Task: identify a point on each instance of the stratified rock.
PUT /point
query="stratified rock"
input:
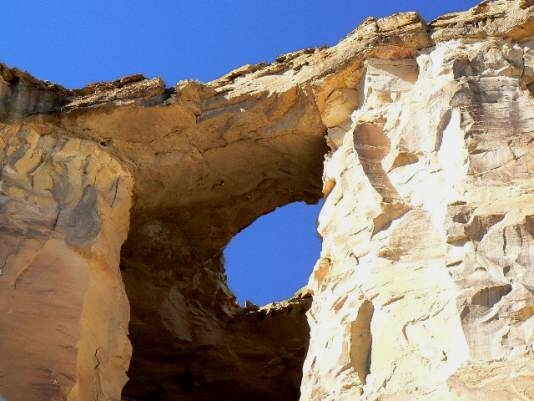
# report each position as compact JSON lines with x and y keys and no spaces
{"x":423,"y":291}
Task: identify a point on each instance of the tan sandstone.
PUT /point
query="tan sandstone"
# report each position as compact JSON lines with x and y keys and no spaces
{"x":424,"y":288}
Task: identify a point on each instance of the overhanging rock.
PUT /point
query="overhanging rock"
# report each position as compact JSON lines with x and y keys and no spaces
{"x":424,"y":288}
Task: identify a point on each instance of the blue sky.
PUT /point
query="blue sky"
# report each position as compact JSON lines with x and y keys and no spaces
{"x":77,"y":42}
{"x":81,"y":41}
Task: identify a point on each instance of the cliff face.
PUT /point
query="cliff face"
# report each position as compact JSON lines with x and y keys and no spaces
{"x":64,"y":211}
{"x":424,"y":288}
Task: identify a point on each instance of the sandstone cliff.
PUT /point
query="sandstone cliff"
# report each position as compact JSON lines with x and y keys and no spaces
{"x":116,"y":201}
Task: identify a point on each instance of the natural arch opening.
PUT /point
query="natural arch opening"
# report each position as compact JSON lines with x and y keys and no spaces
{"x":272,"y":258}
{"x":202,"y":345}
{"x":191,"y":340}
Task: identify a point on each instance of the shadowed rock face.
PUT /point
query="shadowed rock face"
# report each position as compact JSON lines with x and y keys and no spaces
{"x":423,"y":287}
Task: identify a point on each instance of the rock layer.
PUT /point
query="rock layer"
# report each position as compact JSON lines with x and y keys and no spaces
{"x":424,"y":285}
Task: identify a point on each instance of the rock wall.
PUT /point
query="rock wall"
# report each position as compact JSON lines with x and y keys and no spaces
{"x":424,"y":288}
{"x":64,"y":212}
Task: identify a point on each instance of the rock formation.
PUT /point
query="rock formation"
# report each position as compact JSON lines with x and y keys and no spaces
{"x":125,"y":194}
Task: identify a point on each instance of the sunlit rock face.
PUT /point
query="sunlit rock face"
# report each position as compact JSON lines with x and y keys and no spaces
{"x":64,"y":213}
{"x":424,"y":288}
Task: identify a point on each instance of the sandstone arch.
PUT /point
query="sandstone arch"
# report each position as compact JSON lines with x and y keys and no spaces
{"x":201,"y":161}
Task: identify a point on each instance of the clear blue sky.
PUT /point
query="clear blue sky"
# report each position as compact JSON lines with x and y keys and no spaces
{"x":81,"y":41}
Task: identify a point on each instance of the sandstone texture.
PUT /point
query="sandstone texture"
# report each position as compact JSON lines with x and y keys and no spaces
{"x":64,"y":213}
{"x":117,"y":200}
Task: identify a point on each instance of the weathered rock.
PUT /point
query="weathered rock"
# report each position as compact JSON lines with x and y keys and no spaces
{"x":427,"y":254}
{"x":64,"y":212}
{"x":423,"y":290}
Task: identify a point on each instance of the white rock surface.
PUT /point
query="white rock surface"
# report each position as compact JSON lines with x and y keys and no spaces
{"x":425,"y":287}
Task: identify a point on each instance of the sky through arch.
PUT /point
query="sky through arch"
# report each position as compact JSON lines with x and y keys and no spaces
{"x":273,"y":257}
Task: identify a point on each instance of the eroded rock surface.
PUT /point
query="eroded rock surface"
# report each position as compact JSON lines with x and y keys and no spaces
{"x":64,"y":213}
{"x":424,"y":286}
{"x":424,"y":290}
